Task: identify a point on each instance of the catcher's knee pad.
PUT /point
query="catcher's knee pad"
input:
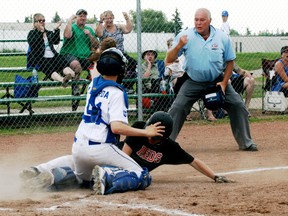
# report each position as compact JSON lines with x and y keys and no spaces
{"x":64,"y":177}
{"x":121,"y":181}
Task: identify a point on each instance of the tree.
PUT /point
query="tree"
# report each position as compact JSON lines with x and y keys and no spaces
{"x":177,"y":22}
{"x":233,"y":32}
{"x":56,"y":18}
{"x":152,"y":21}
{"x":92,"y":20}
{"x":28,"y":19}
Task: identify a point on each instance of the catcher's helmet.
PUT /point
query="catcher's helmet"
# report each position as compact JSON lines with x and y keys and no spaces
{"x":165,"y":119}
{"x":111,"y":62}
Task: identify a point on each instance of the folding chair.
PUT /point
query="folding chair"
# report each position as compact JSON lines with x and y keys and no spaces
{"x":267,"y":79}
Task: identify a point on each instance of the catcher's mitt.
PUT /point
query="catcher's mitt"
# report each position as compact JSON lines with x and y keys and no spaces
{"x":223,"y":179}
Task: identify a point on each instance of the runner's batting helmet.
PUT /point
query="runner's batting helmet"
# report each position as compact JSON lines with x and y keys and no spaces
{"x":111,"y":62}
{"x":165,"y":119}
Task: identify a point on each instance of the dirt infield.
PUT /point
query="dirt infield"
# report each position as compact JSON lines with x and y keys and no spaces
{"x":261,"y":187}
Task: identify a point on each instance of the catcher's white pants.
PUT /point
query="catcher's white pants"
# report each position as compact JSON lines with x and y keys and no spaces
{"x":63,"y":161}
{"x":86,"y":156}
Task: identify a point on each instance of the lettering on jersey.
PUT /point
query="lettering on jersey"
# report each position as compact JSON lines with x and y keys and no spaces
{"x":149,"y":155}
{"x":125,"y":113}
{"x":104,"y":94}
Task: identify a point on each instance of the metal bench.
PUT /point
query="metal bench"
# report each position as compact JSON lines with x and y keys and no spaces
{"x":26,"y":103}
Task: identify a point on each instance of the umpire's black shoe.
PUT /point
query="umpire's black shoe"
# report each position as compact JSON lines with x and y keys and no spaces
{"x":252,"y":147}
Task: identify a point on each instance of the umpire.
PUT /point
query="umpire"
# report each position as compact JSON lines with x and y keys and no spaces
{"x":208,"y":52}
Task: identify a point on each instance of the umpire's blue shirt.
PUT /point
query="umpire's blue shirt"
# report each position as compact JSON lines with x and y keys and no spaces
{"x":205,"y":60}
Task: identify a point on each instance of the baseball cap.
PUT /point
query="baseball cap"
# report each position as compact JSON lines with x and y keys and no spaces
{"x":284,"y":49}
{"x":225,"y":13}
{"x":149,"y":50}
{"x":81,"y":11}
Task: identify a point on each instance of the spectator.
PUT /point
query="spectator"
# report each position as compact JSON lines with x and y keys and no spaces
{"x":105,"y":44}
{"x":225,"y":27}
{"x":281,"y":69}
{"x":106,"y":28}
{"x":242,"y":80}
{"x":204,"y":64}
{"x":153,"y":74}
{"x":79,"y":39}
{"x":150,"y":70}
{"x":174,"y":70}
{"x":42,"y":52}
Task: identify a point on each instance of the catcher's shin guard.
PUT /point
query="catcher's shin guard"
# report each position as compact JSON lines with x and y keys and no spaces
{"x":124,"y":180}
{"x":64,"y":177}
{"x":145,"y":179}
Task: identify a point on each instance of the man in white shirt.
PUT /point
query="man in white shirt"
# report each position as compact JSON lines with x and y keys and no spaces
{"x":225,"y":27}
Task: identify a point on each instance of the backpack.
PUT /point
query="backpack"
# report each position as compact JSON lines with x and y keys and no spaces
{"x":25,"y":91}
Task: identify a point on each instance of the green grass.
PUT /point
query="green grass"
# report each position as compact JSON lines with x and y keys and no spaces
{"x":37,"y":130}
{"x":13,"y":61}
{"x":252,"y":61}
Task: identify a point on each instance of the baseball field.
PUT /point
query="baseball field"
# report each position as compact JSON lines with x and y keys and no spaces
{"x":261,"y":186}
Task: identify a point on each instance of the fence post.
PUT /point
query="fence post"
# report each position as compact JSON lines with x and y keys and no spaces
{"x":139,"y":60}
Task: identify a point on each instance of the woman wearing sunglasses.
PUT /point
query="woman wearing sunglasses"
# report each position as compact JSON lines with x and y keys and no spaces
{"x":43,"y":54}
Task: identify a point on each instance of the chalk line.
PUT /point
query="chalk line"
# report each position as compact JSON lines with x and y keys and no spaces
{"x":128,"y":206}
{"x":254,"y":170}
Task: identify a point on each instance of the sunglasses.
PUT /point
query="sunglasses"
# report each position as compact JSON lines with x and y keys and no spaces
{"x":41,"y":21}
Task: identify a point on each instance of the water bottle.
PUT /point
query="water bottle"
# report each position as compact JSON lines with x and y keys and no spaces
{"x":163,"y":86}
{"x":34,"y":76}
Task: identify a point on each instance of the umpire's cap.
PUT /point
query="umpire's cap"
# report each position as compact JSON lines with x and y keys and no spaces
{"x":111,"y":62}
{"x":165,"y":119}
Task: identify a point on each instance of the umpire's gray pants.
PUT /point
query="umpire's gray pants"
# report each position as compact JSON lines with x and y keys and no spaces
{"x":191,"y":91}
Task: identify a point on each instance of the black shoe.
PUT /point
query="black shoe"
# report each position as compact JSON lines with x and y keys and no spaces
{"x":252,"y":147}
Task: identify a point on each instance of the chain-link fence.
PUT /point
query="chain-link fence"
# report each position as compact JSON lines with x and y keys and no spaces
{"x":61,"y":103}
